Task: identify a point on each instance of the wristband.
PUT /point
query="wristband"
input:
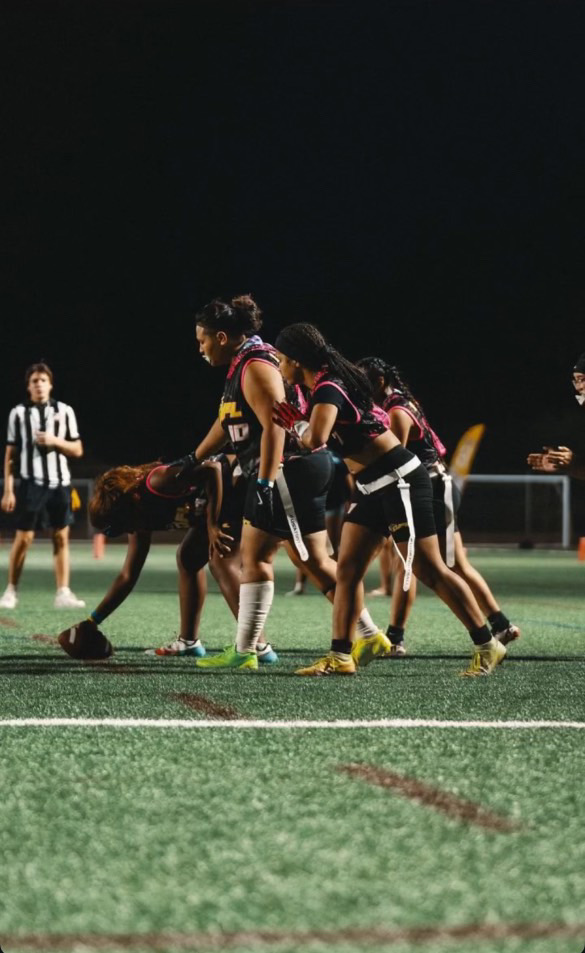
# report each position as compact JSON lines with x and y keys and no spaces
{"x":262,"y":481}
{"x":96,"y":616}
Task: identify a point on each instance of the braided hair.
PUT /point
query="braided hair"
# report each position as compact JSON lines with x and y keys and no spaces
{"x":240,"y":316}
{"x":304,"y":343}
{"x":376,"y":367}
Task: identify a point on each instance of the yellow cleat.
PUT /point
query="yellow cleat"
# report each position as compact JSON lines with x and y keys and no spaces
{"x":485,"y":658}
{"x":330,"y":665}
{"x":365,"y":651}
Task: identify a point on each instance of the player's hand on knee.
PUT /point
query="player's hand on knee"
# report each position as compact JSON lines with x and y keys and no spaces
{"x":220,"y":542}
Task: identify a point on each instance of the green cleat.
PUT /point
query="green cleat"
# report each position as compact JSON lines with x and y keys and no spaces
{"x":230,"y":658}
{"x":365,"y":651}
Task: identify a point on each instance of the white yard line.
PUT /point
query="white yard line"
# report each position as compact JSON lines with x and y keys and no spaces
{"x":263,"y":723}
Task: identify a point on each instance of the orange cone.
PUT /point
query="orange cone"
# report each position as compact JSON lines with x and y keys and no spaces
{"x":581,"y":549}
{"x":99,"y":546}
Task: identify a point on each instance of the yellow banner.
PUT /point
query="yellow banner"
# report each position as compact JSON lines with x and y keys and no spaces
{"x":462,"y":459}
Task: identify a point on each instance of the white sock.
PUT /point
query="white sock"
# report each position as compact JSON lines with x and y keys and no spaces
{"x":255,"y":601}
{"x":366,"y":625}
{"x":63,"y":589}
{"x":11,"y":588}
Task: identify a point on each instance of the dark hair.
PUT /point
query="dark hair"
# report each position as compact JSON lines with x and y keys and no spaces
{"x":304,"y":343}
{"x":39,"y":368}
{"x":376,"y":367}
{"x":241,"y":316}
{"x":580,"y":365}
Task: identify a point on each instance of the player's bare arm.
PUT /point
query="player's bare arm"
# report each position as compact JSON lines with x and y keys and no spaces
{"x":263,"y":387}
{"x":220,"y":542}
{"x":123,"y":584}
{"x":321,"y":424}
{"x":215,"y":439}
{"x":400,"y":425}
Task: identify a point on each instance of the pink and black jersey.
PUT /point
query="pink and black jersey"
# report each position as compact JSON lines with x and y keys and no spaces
{"x":235,"y":414}
{"x":422,"y":439}
{"x":167,"y":511}
{"x":237,"y":417}
{"x":354,"y":426}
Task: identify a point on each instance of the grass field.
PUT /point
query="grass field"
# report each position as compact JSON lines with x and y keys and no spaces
{"x":212,"y":817}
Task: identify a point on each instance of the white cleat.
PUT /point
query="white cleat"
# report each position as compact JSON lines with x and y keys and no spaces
{"x":65,"y":599}
{"x":9,"y":600}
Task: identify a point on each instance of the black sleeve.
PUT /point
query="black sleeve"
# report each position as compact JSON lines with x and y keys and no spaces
{"x":333,"y":393}
{"x":329,"y":394}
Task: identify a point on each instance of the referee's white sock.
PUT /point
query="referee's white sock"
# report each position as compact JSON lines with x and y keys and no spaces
{"x":255,"y":601}
{"x":366,"y":625}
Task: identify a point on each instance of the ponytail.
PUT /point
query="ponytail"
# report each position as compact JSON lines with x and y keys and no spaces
{"x":377,"y":367}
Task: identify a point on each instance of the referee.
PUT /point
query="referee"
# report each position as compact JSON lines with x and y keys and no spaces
{"x":43,"y":432}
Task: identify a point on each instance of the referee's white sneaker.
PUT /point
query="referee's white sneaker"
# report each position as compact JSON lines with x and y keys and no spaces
{"x":9,"y":600}
{"x":65,"y":599}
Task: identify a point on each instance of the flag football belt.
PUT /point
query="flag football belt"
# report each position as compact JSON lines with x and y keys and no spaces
{"x":439,"y":469}
{"x":291,"y":516}
{"x":397,"y":476}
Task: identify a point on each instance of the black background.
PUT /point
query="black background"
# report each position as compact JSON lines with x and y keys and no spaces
{"x":407,"y":175}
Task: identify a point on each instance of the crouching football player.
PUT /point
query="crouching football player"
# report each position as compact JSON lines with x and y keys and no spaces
{"x":208,"y":503}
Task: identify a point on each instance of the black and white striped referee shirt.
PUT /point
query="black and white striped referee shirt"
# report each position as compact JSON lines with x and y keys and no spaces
{"x":45,"y":466}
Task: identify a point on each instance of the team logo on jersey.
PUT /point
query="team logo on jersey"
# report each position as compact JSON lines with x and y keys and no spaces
{"x":229,"y":408}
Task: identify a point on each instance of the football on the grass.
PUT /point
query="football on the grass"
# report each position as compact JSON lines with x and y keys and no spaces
{"x":85,"y":641}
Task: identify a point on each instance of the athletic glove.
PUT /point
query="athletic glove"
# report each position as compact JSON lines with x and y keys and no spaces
{"x":185,"y":464}
{"x":286,"y":415}
{"x":264,"y":509}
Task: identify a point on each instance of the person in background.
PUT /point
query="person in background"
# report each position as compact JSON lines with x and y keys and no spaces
{"x":43,"y":433}
{"x":563,"y":459}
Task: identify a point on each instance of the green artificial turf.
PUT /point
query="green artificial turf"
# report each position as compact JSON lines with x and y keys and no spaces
{"x":212,"y":831}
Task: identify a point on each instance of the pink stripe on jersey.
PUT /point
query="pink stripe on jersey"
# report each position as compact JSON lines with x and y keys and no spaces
{"x":150,"y":488}
{"x":358,"y":416}
{"x":421,"y":432}
{"x":259,"y":360}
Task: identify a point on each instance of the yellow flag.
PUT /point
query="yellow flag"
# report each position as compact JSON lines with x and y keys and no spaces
{"x":75,"y":499}
{"x":462,"y":459}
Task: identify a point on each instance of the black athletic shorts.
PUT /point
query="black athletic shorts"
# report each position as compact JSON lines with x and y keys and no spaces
{"x":42,"y":507}
{"x":340,"y":489}
{"x":439,"y":504}
{"x":383,"y":511}
{"x":308,"y":478}
{"x":231,"y":514}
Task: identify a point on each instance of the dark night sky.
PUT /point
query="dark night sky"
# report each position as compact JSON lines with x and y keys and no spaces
{"x":407,"y":175}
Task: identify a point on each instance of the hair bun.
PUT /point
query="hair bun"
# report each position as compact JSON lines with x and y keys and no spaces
{"x":246,"y":303}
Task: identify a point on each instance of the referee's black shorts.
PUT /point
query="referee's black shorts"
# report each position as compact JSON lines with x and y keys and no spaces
{"x":42,"y":507}
{"x":308,"y":478}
